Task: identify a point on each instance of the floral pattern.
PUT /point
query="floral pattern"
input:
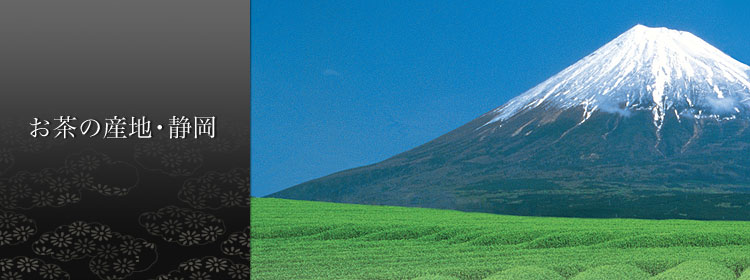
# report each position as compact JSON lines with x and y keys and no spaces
{"x":7,"y":159}
{"x":208,"y":268}
{"x":59,"y":187}
{"x":170,"y":157}
{"x":216,"y":190}
{"x":183,"y":226}
{"x":22,"y":268}
{"x":97,"y":172}
{"x":15,"y":228}
{"x":42,"y":196}
{"x":238,"y":244}
{"x":111,"y":255}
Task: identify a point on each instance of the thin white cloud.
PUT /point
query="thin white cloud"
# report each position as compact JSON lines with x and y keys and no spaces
{"x":331,"y":72}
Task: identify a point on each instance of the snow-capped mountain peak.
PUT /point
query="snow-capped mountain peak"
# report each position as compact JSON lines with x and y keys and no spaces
{"x":657,"y":69}
{"x":584,"y":141}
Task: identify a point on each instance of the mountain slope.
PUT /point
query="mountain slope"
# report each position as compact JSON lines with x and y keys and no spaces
{"x":651,"y":125}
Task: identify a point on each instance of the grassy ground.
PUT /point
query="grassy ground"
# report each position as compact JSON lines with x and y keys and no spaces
{"x":316,"y":240}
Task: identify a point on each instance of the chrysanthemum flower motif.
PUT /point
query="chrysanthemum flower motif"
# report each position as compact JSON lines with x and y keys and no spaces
{"x":6,"y":264}
{"x":82,"y":180}
{"x":8,"y":220}
{"x":15,"y":228}
{"x":98,"y":172}
{"x":20,"y":190}
{"x":124,"y":266}
{"x":212,"y":232}
{"x":45,"y":188}
{"x":11,"y":275}
{"x":5,"y":238}
{"x":59,"y":184}
{"x":61,"y":239}
{"x":171,"y":160}
{"x":183,"y":226}
{"x":102,"y":188}
{"x":6,"y":156}
{"x":193,"y":156}
{"x":149,"y":148}
{"x":85,"y":246}
{"x":216,"y":190}
{"x":79,"y":228}
{"x":44,"y":251}
{"x":66,"y":254}
{"x":239,"y":271}
{"x":101,"y":233}
{"x":208,"y":268}
{"x":88,"y":163}
{"x":68,"y":198}
{"x":27,"y":265}
{"x":220,"y":145}
{"x":99,"y":266}
{"x":171,"y":227}
{"x":52,"y":271}
{"x":43,"y":198}
{"x":237,"y":244}
{"x":7,"y":160}
{"x":42,"y":176}
{"x":191,"y":265}
{"x":214,"y":264}
{"x":232,"y":198}
{"x":131,"y":247}
{"x":188,"y":238}
{"x":120,"y":191}
{"x":31,"y":146}
{"x":210,"y":190}
{"x":174,"y":158}
{"x":23,"y":232}
{"x":111,"y":255}
{"x":7,"y":201}
{"x":195,"y":219}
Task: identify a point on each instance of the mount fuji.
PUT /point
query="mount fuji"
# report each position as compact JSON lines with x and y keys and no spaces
{"x":651,"y":125}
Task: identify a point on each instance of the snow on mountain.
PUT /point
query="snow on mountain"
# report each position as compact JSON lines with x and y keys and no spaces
{"x":584,"y":144}
{"x":657,"y":69}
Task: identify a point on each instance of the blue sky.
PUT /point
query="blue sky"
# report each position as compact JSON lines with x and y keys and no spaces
{"x":341,"y":84}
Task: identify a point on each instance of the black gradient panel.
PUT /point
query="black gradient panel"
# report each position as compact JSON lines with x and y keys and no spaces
{"x":103,"y":207}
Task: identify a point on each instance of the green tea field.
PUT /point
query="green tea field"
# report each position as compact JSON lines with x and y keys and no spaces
{"x":317,"y":240}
